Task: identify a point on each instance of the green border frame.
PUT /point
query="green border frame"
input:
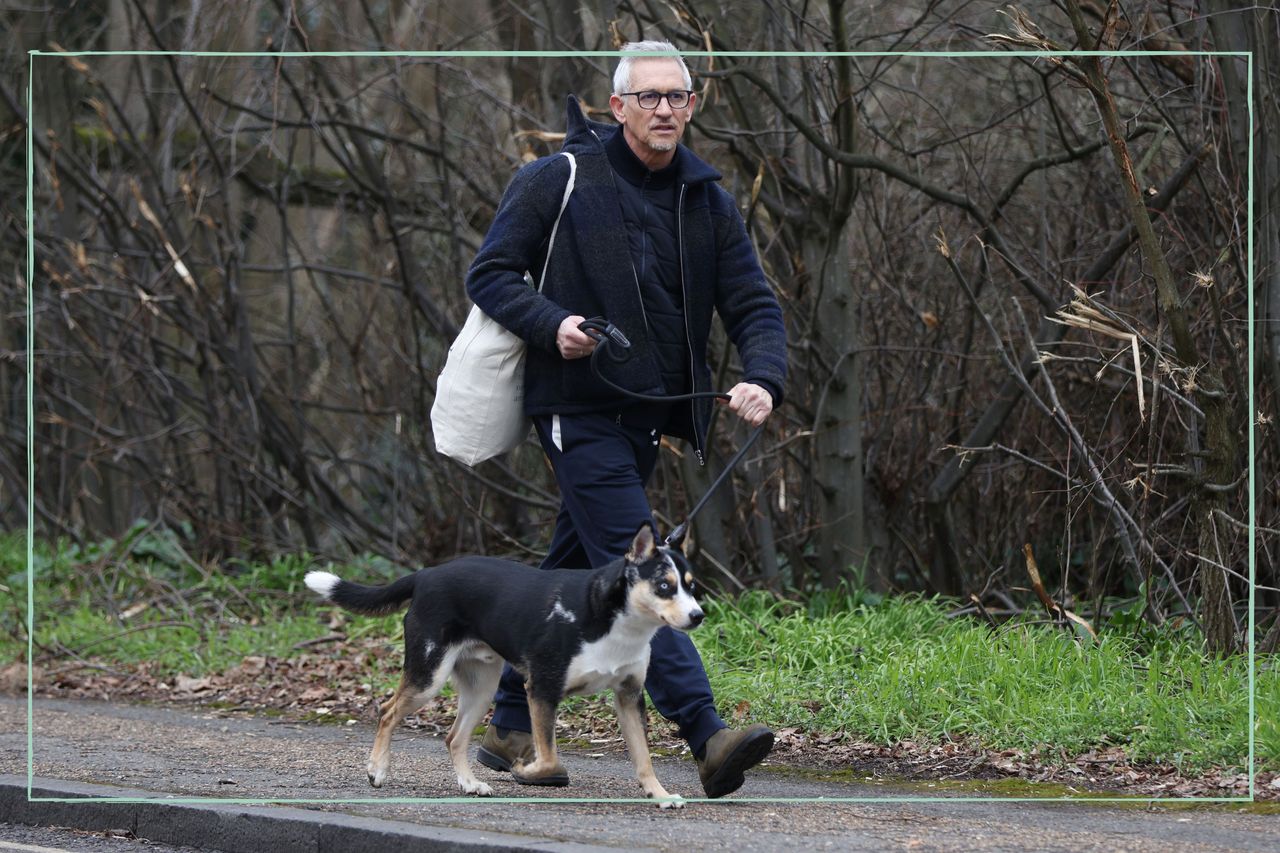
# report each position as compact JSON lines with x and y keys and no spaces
{"x":30,"y":343}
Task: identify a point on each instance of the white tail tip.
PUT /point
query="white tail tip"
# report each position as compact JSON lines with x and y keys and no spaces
{"x":322,"y":582}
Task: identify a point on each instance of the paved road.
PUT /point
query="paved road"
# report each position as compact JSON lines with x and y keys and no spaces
{"x":46,"y":839}
{"x":192,"y":753}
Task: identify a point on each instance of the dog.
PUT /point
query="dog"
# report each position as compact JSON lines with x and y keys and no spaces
{"x":567,"y":631}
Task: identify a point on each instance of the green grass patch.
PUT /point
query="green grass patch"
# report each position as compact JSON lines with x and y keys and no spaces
{"x":141,"y":600}
{"x":881,"y":670}
{"x":903,"y":670}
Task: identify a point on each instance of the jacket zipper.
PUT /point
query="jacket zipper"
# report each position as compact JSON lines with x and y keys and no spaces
{"x":643,"y":314}
{"x":688,"y":335}
{"x":635,"y":277}
{"x":634,"y":274}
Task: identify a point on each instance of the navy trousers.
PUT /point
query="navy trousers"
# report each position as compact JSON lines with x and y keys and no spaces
{"x":602,"y":467}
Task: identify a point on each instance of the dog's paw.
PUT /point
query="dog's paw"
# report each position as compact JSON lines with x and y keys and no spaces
{"x":672,"y":801}
{"x":377,"y":774}
{"x":474,"y":786}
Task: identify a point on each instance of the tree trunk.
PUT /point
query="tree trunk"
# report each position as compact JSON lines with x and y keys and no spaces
{"x":838,"y":456}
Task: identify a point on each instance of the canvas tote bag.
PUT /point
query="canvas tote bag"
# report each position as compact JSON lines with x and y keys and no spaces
{"x":478,"y":412}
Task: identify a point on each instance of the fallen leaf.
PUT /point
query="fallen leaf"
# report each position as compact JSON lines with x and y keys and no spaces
{"x":186,"y":684}
{"x":315,"y":694}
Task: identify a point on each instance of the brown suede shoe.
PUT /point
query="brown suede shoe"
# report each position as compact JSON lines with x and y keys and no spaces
{"x":728,"y":754}
{"x":510,"y":750}
{"x":502,"y":748}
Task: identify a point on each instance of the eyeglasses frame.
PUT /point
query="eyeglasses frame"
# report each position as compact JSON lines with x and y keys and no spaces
{"x":688,"y":94}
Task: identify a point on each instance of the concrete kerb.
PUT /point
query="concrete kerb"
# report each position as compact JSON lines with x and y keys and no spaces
{"x":246,"y":829}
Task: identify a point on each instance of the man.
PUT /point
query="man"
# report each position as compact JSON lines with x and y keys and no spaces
{"x":650,"y":242}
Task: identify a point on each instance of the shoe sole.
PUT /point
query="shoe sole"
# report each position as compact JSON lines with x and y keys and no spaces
{"x":746,"y":755}
{"x":557,"y":781}
{"x":496,"y":762}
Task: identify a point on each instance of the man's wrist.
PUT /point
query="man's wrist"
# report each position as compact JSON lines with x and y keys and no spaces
{"x":774,"y":391}
{"x":549,"y":334}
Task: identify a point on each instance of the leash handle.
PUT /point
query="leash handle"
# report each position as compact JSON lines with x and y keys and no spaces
{"x":605,"y":334}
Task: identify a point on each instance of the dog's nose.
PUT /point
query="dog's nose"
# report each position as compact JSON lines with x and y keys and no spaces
{"x":695,"y":618}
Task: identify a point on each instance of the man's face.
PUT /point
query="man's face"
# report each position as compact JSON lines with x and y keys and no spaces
{"x":653,"y":134}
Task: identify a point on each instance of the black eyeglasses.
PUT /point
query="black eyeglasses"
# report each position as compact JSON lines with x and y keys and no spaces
{"x":677,"y":100}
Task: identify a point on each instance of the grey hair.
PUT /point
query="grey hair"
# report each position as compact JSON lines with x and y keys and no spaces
{"x":637,"y":50}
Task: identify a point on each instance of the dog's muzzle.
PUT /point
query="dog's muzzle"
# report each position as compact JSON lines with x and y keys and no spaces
{"x":695,"y":619}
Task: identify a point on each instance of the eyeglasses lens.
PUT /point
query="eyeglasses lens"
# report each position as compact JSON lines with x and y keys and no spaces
{"x":649,"y":100}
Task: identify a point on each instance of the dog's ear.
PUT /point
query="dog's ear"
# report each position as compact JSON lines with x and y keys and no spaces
{"x":643,"y":546}
{"x":610,"y":590}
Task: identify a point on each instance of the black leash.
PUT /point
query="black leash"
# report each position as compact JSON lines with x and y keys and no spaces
{"x":608,"y":335}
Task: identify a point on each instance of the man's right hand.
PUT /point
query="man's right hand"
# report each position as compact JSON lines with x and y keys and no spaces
{"x":572,"y":341}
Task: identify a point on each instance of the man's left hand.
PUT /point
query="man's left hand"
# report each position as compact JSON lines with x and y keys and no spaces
{"x":750,"y":402}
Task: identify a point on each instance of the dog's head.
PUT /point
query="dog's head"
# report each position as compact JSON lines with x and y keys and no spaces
{"x":660,"y":582}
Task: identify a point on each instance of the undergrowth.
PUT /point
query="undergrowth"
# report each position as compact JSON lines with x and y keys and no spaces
{"x":880,"y":670}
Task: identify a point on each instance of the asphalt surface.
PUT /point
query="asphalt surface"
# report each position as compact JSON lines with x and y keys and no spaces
{"x":152,"y":753}
{"x":15,"y":838}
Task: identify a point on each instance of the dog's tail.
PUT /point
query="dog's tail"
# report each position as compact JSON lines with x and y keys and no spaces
{"x":369,"y":600}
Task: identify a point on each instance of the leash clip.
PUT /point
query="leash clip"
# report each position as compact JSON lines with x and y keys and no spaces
{"x":605,"y":333}
{"x":600,"y":328}
{"x":615,"y":335}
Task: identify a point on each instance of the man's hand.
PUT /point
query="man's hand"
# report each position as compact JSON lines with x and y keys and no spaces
{"x":572,"y":341}
{"x":750,"y":402}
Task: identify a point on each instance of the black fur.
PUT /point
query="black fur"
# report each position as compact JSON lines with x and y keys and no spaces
{"x":504,"y":604}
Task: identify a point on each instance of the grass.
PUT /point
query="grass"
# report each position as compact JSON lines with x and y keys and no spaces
{"x":903,"y":670}
{"x":898,"y":669}
{"x":132,"y":602}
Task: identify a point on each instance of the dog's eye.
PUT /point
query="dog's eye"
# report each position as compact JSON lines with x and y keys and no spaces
{"x":664,"y":587}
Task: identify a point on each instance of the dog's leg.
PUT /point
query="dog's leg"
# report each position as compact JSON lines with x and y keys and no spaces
{"x":393,"y":711}
{"x":425,"y":672}
{"x":475,"y":680}
{"x":628,"y":701}
{"x":545,"y":769}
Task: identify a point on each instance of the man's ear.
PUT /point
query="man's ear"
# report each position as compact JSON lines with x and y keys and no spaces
{"x":643,"y":546}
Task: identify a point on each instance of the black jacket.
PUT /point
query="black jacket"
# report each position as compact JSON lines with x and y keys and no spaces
{"x":590,"y":273}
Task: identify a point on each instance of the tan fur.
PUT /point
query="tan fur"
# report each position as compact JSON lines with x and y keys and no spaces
{"x":546,"y":762}
{"x":626,"y":704}
{"x":475,"y":670}
{"x":643,"y":599}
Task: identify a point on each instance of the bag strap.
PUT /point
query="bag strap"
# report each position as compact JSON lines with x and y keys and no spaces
{"x":564,"y":202}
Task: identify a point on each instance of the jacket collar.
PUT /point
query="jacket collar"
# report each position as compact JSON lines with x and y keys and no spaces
{"x":625,"y":162}
{"x":582,"y":135}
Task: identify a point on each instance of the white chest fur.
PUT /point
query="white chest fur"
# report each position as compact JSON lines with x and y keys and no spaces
{"x":600,"y":665}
